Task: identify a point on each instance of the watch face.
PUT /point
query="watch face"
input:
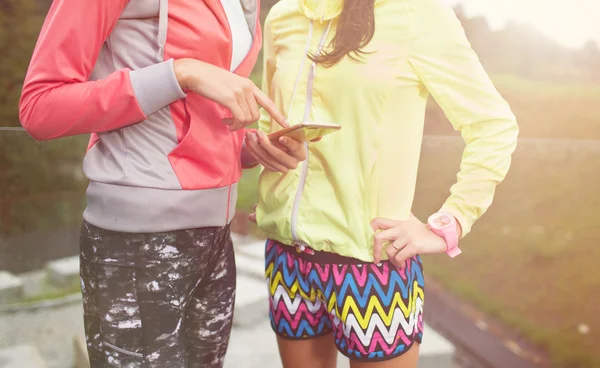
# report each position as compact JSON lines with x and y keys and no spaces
{"x":441,"y":220}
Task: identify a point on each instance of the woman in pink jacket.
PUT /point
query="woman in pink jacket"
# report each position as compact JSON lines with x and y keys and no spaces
{"x":162,"y":87}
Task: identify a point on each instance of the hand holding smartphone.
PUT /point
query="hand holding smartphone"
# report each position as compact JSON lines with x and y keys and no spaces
{"x":277,"y":155}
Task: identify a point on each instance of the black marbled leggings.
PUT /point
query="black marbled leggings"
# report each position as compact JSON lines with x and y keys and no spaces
{"x":160,"y":300}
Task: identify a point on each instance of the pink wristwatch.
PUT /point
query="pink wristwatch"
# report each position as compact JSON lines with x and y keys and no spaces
{"x":444,"y":224}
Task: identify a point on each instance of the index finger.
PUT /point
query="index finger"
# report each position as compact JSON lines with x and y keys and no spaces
{"x":381,"y":238}
{"x":270,"y":107}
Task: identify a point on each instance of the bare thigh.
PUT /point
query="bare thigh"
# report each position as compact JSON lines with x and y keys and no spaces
{"x":406,"y":360}
{"x":319,"y":352}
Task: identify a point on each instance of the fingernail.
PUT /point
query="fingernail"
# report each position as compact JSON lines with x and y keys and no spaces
{"x":283,"y":140}
{"x":253,"y":135}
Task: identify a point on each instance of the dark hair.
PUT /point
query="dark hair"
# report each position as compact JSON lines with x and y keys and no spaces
{"x":354,"y":31}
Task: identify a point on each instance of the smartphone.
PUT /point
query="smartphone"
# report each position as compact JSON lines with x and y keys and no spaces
{"x":305,"y":131}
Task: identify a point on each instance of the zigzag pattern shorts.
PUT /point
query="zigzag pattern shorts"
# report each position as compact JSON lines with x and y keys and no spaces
{"x":374,"y":312}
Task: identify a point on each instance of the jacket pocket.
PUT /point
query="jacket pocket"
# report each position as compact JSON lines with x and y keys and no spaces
{"x":204,"y":158}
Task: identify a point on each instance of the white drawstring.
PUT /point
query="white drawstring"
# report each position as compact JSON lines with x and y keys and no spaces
{"x":163,"y":24}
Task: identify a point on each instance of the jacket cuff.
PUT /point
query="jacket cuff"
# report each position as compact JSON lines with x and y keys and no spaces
{"x":155,"y":86}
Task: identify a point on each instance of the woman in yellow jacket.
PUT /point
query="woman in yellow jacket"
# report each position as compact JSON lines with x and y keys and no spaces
{"x":342,"y":262}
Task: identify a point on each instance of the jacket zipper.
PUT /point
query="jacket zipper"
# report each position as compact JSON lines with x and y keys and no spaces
{"x":299,"y":191}
{"x":234,"y":142}
{"x":307,"y":107}
{"x":230,"y":56}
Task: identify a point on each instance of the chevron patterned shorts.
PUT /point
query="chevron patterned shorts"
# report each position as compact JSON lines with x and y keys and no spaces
{"x":374,"y":312}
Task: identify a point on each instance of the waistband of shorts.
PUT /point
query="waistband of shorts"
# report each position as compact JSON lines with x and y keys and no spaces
{"x":305,"y":252}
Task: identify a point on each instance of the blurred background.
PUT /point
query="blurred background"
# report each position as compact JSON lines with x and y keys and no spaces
{"x":528,"y":280}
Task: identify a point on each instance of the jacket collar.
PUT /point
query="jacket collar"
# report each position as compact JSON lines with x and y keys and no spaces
{"x":321,"y":10}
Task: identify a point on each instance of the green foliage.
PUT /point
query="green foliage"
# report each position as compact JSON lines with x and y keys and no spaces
{"x":30,"y":167}
{"x":34,"y":177}
{"x":19,"y":27}
{"x":27,"y":167}
{"x":522,"y":50}
{"x":248,"y":190}
{"x":531,"y":259}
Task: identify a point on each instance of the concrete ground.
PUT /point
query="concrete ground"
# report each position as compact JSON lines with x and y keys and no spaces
{"x":51,"y":331}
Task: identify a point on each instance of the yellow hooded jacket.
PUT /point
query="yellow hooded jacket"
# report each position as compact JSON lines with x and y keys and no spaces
{"x":369,"y":168}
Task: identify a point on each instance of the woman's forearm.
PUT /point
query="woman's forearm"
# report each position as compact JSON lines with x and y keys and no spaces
{"x":58,"y":98}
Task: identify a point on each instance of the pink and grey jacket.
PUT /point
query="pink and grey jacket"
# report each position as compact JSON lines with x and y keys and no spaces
{"x":158,"y":159}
